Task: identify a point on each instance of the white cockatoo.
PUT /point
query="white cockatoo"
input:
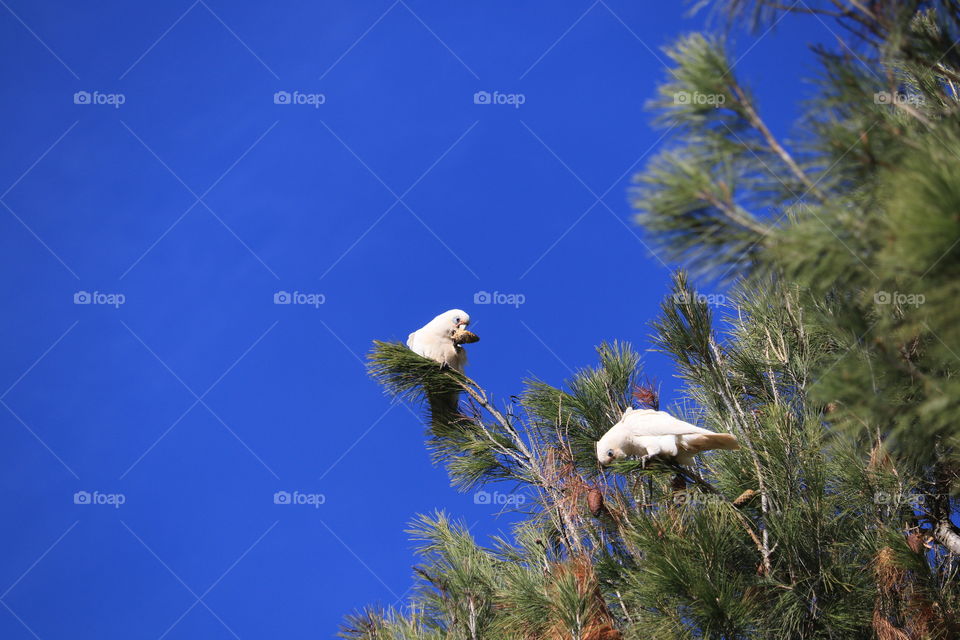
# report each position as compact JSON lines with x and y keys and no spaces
{"x":440,"y":339}
{"x":646,"y":433}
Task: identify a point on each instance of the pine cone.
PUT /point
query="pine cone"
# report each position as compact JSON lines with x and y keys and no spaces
{"x":462,"y":336}
{"x":915,"y":542}
{"x":595,"y":502}
{"x":744,"y":497}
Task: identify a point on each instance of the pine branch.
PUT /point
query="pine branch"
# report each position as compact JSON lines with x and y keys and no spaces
{"x":754,"y":118}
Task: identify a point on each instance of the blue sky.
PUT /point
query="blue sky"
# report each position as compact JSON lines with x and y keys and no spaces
{"x":180,"y":193}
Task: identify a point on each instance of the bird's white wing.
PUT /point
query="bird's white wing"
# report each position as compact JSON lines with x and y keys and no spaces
{"x":437,"y":347}
{"x":658,"y":423}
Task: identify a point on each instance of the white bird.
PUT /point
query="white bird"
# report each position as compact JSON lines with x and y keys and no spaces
{"x":646,"y":433}
{"x":440,"y":339}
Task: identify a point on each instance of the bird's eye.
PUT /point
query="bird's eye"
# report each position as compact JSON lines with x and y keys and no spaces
{"x":609,"y":453}
{"x":456,"y":320}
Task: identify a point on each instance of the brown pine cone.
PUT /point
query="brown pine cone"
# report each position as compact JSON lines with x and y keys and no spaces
{"x":595,"y":502}
{"x":462,"y":336}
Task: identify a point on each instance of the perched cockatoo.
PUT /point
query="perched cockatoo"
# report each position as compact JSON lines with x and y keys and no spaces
{"x":440,"y":339}
{"x":646,"y":433}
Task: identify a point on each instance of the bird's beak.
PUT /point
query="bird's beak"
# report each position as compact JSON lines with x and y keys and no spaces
{"x":462,"y":325}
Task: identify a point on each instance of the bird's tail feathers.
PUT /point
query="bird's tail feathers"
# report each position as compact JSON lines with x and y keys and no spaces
{"x":444,"y":407}
{"x":707,"y":441}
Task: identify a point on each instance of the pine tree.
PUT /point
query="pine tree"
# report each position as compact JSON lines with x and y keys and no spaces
{"x":863,"y":217}
{"x":832,"y":361}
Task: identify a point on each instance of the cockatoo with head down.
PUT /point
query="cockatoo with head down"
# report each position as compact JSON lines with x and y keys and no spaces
{"x":440,"y":339}
{"x":645,"y":433}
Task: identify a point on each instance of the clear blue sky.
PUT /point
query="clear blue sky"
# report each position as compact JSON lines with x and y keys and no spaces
{"x":198,"y":198}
